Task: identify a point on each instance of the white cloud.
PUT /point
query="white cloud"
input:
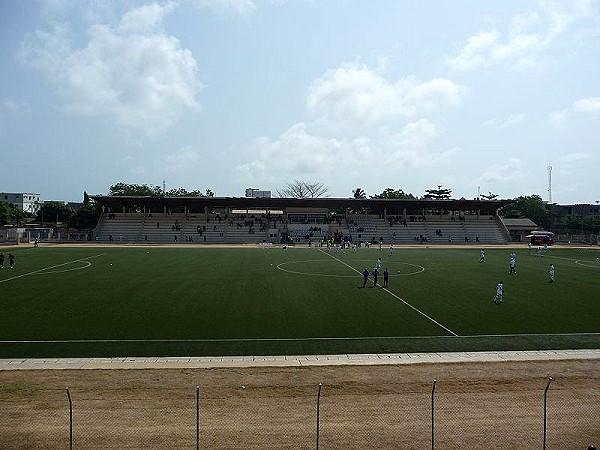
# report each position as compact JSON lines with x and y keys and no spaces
{"x":361,"y":120}
{"x":223,"y":6}
{"x":15,"y":108}
{"x":513,"y":119}
{"x":573,"y":157}
{"x":510,"y":170}
{"x":353,"y":95}
{"x":528,"y":35}
{"x":297,"y":153}
{"x":587,"y":105}
{"x":133,"y":73}
{"x":476,"y":50}
{"x":583,"y":106}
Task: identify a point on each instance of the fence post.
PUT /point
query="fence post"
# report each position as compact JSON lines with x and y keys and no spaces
{"x":433,"y":415}
{"x":318,"y":412}
{"x":197,"y":417}
{"x":70,"y":420}
{"x":545,"y":409}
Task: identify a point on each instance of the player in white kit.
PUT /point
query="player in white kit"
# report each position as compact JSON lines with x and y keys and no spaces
{"x":499,"y":293}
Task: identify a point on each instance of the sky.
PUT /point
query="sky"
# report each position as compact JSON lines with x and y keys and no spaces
{"x":476,"y":96}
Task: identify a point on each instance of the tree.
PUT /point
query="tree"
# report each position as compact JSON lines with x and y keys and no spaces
{"x":10,"y":214}
{"x":394,"y":194}
{"x":359,"y":193}
{"x":182,"y":192}
{"x":144,"y":190}
{"x":135,"y":190}
{"x":303,"y":189}
{"x":18,"y":217}
{"x":85,"y":217}
{"x":6,"y":211}
{"x":438,"y":194}
{"x":490,"y":196}
{"x":529,"y":206}
{"x":579,"y":224}
{"x":54,"y":212}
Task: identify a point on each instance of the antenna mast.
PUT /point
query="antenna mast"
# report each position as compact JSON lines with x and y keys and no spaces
{"x":549,"y":184}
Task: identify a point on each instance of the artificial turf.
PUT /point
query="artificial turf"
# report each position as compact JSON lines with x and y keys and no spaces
{"x":156,"y":301}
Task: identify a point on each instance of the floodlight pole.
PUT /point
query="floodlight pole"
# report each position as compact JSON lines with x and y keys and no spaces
{"x":318,"y":412}
{"x":197,"y":417}
{"x":545,"y":410}
{"x":433,"y":415}
{"x":70,"y":420}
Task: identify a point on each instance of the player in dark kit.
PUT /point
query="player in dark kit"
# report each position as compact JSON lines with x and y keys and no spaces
{"x":366,"y":276}
{"x":386,"y":275}
{"x":11,"y":260}
{"x":1,"y":260}
{"x":375,"y":275}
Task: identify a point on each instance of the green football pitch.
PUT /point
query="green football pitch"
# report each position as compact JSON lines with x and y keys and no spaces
{"x":197,"y":301}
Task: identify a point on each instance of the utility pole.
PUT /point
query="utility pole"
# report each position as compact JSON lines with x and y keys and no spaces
{"x":549,"y":184}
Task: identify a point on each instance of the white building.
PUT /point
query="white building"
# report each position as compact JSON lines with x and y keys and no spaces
{"x":257,"y":193}
{"x":27,"y":202}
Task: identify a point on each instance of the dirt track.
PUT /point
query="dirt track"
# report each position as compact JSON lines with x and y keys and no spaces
{"x":478,"y":406}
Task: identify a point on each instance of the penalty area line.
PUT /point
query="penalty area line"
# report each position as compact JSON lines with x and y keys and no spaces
{"x":395,"y":296}
{"x":51,"y":267}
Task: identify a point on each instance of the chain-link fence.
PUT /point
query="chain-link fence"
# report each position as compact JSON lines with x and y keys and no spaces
{"x":539,"y":414}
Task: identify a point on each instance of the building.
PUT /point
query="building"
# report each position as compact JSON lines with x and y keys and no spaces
{"x":266,"y":220}
{"x":257,"y":193}
{"x":520,"y":228}
{"x":580,"y":210}
{"x":27,"y":202}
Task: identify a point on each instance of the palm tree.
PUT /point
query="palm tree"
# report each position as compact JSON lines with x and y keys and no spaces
{"x":359,"y":193}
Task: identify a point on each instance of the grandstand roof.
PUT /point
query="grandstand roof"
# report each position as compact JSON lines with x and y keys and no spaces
{"x":374,"y":205}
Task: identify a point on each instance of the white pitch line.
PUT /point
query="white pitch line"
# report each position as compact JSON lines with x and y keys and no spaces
{"x":87,"y":341}
{"x":51,"y":267}
{"x":394,"y":295}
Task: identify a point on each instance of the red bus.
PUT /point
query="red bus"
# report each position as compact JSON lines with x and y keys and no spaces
{"x":541,"y":237}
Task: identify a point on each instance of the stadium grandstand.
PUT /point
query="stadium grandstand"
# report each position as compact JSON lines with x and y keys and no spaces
{"x":243,"y":220}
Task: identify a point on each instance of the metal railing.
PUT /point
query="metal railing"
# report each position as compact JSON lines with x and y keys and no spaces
{"x":441,"y":415}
